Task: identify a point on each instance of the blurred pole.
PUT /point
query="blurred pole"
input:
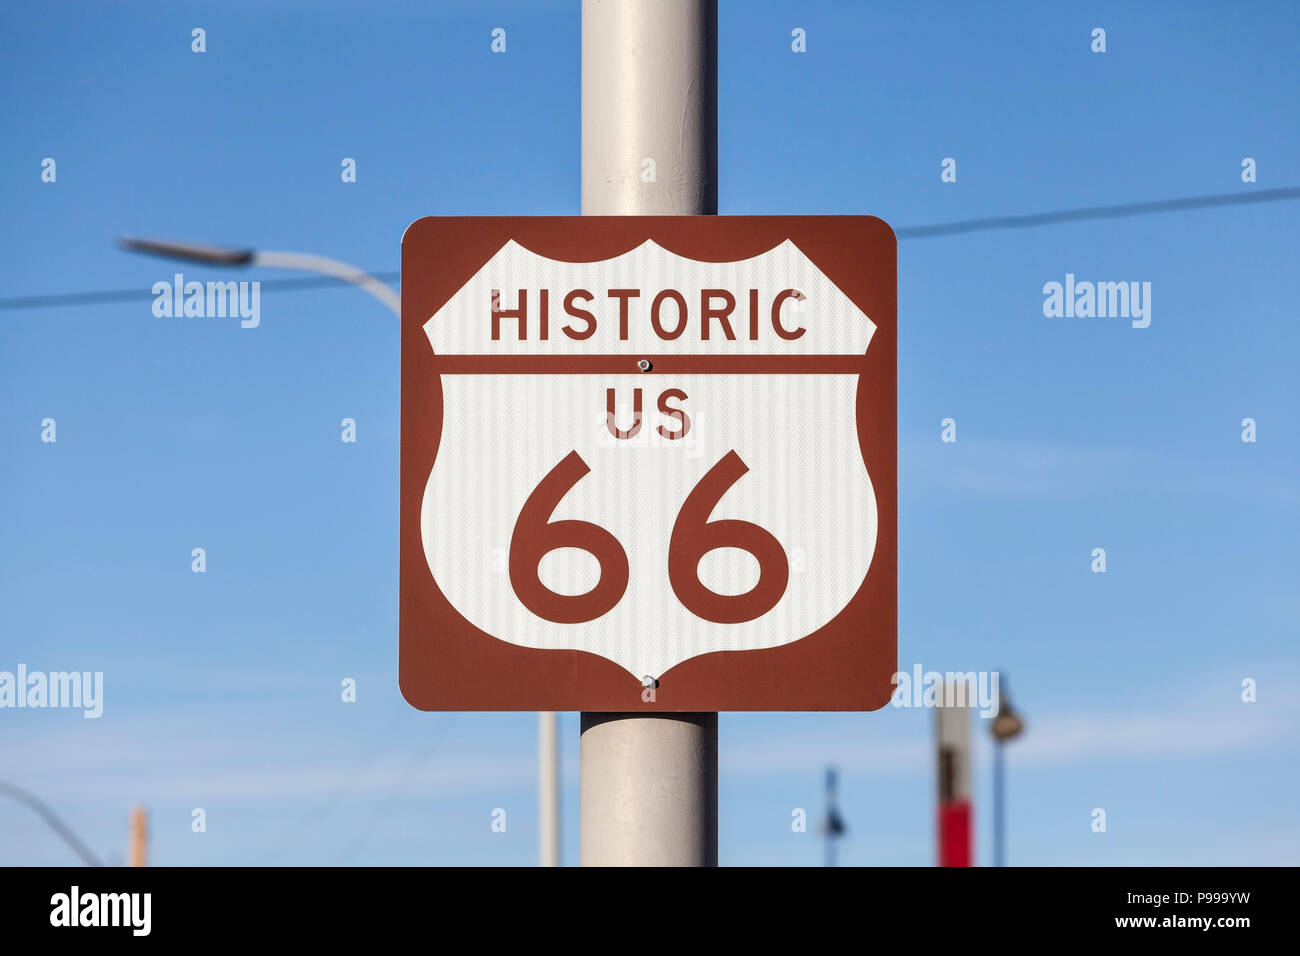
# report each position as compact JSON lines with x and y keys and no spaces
{"x":830,"y":815}
{"x":999,"y":796}
{"x":548,"y":789}
{"x":953,"y":725}
{"x":1008,"y":725}
{"x":649,"y":781}
{"x":833,"y":827}
{"x":139,"y":855}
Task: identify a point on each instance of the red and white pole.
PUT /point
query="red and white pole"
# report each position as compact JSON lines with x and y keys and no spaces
{"x":956,"y":819}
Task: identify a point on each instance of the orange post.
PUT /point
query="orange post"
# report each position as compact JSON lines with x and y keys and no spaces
{"x":139,"y":836}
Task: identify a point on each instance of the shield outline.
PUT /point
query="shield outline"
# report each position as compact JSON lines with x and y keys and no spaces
{"x":446,"y":663}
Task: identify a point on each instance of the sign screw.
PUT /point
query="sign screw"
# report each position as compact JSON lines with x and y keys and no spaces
{"x":649,"y":682}
{"x":645,"y":366}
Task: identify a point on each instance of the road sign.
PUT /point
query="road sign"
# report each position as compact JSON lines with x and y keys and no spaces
{"x":648,"y":463}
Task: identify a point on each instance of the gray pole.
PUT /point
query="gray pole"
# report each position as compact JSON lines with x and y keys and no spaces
{"x":649,"y":92}
{"x":999,"y":807}
{"x":830,"y":816}
{"x":649,"y":791}
{"x":548,"y":789}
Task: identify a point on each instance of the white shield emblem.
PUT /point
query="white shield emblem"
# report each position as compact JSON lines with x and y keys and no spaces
{"x":723,"y":503}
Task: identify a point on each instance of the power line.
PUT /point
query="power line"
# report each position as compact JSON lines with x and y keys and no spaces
{"x":381,"y":815}
{"x":134,"y":295}
{"x":958,"y":227}
{"x":308,"y":821}
{"x":1096,"y":212}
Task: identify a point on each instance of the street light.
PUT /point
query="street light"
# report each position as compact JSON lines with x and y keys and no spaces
{"x":43,"y":810}
{"x":548,"y":739}
{"x":833,"y":827}
{"x":1007,"y":725}
{"x":302,"y":261}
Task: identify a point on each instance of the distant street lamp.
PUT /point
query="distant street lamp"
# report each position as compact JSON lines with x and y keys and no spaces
{"x":1007,"y":725}
{"x":833,"y":827}
{"x":302,"y":261}
{"x":548,"y":739}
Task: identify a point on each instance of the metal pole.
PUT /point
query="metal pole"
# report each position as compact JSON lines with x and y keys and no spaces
{"x":999,"y":796}
{"x":548,"y":789}
{"x":649,"y":92}
{"x":649,"y":790}
{"x":1008,"y":725}
{"x":955,"y":818}
{"x":324,"y":265}
{"x":832,"y":815}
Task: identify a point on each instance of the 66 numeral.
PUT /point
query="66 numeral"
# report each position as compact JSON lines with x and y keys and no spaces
{"x":693,"y":536}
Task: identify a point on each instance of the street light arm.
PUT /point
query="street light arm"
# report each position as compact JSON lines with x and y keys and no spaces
{"x":305,"y":262}
{"x":331,"y":267}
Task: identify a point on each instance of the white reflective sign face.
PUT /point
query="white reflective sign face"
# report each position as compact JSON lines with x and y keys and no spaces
{"x":649,"y":516}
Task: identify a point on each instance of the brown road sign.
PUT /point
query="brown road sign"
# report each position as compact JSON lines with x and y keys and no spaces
{"x":649,"y":463}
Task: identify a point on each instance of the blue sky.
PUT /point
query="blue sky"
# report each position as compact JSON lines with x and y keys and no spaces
{"x":222,"y":688}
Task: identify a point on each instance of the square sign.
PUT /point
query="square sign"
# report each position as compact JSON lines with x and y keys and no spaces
{"x":649,"y":463}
